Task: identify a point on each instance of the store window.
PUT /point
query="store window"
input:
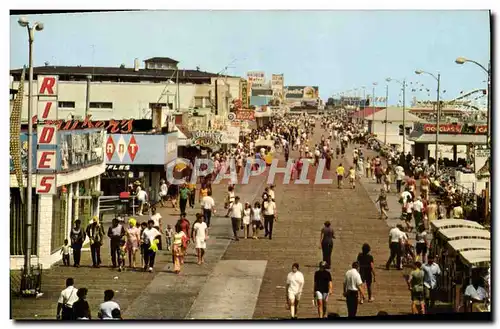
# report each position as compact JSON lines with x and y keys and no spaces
{"x":18,"y":223}
{"x":101,"y":105}
{"x":59,"y":207}
{"x":85,"y":202}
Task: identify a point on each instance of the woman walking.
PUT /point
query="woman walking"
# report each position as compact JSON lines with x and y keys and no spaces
{"x":366,"y":270}
{"x":256,"y":220}
{"x":247,"y":211}
{"x":185,"y":226}
{"x":133,"y":239}
{"x":200,"y":235}
{"x":229,"y":199}
{"x":368,"y":168}
{"x":178,"y":247}
{"x":382,"y":202}
{"x":77,"y":237}
{"x":326,"y":243}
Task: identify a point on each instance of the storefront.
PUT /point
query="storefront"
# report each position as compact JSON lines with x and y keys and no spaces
{"x":137,"y":157}
{"x":72,"y":193}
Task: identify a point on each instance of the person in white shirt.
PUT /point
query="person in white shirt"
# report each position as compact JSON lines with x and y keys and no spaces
{"x":106,"y":309}
{"x":200,"y":235}
{"x":418,"y":207}
{"x":236,"y":213}
{"x":66,"y":299}
{"x":208,"y":207}
{"x":149,"y":235}
{"x":400,"y":175}
{"x":156,"y":217}
{"x":142,"y":198}
{"x":474,"y":293}
{"x":269,"y":212}
{"x":353,"y":289}
{"x":395,"y":238}
{"x":163,"y":192}
{"x":294,"y":286}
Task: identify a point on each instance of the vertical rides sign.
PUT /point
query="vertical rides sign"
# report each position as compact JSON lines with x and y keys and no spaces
{"x":46,"y":143}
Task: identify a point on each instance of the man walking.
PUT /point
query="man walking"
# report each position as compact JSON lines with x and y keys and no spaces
{"x":95,"y":232}
{"x":207,"y":206}
{"x":184,"y":193}
{"x":353,"y":288}
{"x":236,"y":213}
{"x":115,"y":234}
{"x":66,"y":299}
{"x":432,"y":272}
{"x":269,"y":211}
{"x":395,"y":239}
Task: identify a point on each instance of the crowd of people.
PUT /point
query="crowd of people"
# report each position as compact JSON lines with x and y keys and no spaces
{"x":249,"y":217}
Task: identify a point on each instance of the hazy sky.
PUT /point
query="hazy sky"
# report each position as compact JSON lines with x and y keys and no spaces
{"x":336,"y":50}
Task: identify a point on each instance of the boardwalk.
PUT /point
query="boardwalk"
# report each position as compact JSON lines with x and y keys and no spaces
{"x":302,"y":211}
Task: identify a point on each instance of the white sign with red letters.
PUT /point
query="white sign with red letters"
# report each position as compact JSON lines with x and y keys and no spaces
{"x":46,"y":184}
{"x":46,"y":149}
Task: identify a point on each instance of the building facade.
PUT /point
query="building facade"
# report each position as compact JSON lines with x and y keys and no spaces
{"x":131,"y":93}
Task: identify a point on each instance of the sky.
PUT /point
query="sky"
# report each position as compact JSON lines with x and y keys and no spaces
{"x":335,"y":50}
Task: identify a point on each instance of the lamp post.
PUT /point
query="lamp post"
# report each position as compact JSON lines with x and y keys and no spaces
{"x":438,"y":111}
{"x":463,"y":60}
{"x":373,"y":107}
{"x":386,"y":109}
{"x":37,"y":26}
{"x":403,"y":86}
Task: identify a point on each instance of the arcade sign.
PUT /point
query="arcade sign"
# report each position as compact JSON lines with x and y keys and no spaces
{"x":245,"y":115}
{"x":207,"y":138}
{"x":46,"y":149}
{"x":459,"y":128}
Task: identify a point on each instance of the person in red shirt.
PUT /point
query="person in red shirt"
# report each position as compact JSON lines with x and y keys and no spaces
{"x":299,"y":165}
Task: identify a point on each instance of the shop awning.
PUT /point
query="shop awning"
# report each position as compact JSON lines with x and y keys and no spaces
{"x":183,"y":132}
{"x":450,"y":139}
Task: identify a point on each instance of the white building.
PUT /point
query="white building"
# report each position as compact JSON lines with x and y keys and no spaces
{"x":394,"y":117}
{"x":130,"y":93}
{"x":77,"y":192}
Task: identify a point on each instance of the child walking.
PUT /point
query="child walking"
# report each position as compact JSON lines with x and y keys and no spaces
{"x":66,"y":251}
{"x":169,"y":233}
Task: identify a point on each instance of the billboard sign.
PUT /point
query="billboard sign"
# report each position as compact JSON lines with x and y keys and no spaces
{"x":456,"y":128}
{"x":47,"y":136}
{"x":245,"y":115}
{"x":231,"y":135}
{"x":304,"y":92}
{"x":135,"y":149}
{"x":277,"y":85}
{"x":256,"y":78}
{"x":82,"y":148}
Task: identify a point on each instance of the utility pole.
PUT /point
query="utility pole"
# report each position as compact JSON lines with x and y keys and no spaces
{"x":386,"y":110}
{"x":87,"y":100}
{"x":404,"y":117}
{"x":437,"y":121}
{"x":216,"y":96}
{"x":178,"y":105}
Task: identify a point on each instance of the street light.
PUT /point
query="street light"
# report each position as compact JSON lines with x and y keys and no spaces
{"x":37,"y":26}
{"x":403,"y":86}
{"x":463,"y":60}
{"x":373,"y":107}
{"x":438,"y":110}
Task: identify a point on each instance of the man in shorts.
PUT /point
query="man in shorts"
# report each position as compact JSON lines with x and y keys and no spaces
{"x":416,"y":286}
{"x":294,"y":286}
